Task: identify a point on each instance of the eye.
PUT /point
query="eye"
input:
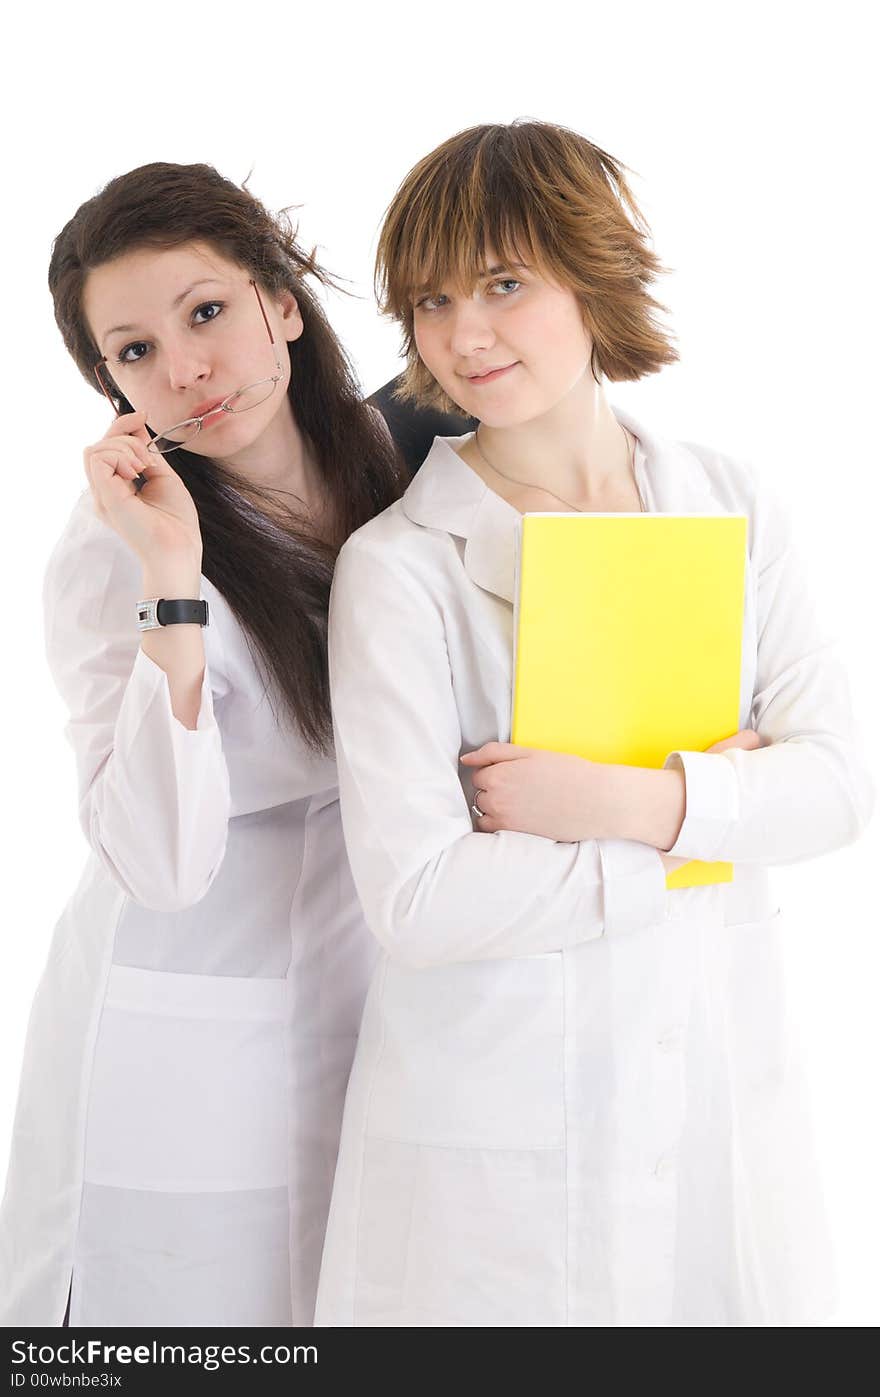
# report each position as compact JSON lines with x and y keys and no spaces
{"x":431,"y":302}
{"x":132,"y":353}
{"x":506,"y":281}
{"x":209,"y":311}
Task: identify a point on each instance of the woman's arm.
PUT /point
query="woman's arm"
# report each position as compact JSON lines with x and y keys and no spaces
{"x":178,"y":650}
{"x":566,"y":797}
{"x":433,"y":889}
{"x":807,"y":791}
{"x":796,"y":789}
{"x":154,"y":795}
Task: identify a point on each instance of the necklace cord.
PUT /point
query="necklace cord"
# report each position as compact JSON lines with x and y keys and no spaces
{"x":530,"y":485}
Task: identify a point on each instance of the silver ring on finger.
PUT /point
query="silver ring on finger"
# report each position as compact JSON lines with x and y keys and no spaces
{"x":480,"y":814}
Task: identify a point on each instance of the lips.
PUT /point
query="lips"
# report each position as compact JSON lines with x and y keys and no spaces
{"x":206,"y":407}
{"x":490,"y":374}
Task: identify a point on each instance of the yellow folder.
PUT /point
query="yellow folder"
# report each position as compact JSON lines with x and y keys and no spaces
{"x":628,"y":639}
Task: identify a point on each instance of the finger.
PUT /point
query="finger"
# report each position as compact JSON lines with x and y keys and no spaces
{"x":491,"y":779}
{"x":154,"y":465}
{"x":108,"y":497}
{"x":118,"y":440}
{"x":749,"y":740}
{"x":746,"y":740}
{"x":483,"y":799}
{"x":142,"y":434}
{"x":120,"y":460}
{"x":672,"y":862}
{"x":492,"y":752}
{"x":113,"y":482}
{"x":130,"y":446}
{"x":131,"y":425}
{"x":128,"y":422}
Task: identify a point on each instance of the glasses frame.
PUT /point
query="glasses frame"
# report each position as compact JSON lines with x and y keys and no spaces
{"x":225,"y":406}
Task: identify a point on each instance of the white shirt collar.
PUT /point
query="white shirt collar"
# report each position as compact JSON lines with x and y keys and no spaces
{"x":447,"y":494}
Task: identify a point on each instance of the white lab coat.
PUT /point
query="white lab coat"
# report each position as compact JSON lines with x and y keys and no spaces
{"x":191,"y":1038}
{"x":574,"y":1100}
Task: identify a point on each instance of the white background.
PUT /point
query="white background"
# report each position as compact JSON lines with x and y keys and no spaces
{"x":753,"y":144}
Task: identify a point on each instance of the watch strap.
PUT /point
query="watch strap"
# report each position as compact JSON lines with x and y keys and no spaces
{"x":159,"y":611}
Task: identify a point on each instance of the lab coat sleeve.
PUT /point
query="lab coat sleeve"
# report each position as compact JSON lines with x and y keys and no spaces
{"x":153,"y":795}
{"x":809,"y":791}
{"x":433,"y":889}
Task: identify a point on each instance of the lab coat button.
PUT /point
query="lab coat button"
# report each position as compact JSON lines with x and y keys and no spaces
{"x":664,"y":1166}
{"x":670,"y":1040}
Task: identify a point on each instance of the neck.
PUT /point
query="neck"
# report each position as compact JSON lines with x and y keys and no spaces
{"x":577,"y":450}
{"x":281,"y":459}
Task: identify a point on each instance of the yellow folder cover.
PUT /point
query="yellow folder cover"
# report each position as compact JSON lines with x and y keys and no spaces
{"x":628,"y":639}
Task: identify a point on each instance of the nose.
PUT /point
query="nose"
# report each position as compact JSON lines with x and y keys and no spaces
{"x":186,"y":366}
{"x":471,"y":328}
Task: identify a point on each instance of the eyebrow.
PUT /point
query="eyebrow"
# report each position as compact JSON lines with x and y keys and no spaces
{"x":204,"y":281}
{"x":487,"y":271}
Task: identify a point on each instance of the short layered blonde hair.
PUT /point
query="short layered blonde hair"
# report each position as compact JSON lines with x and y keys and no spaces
{"x":538,"y":194}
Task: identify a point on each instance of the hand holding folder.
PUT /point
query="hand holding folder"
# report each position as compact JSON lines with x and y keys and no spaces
{"x":628,"y":639}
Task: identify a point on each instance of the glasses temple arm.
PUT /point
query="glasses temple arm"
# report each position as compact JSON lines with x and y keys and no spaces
{"x":102,"y":385}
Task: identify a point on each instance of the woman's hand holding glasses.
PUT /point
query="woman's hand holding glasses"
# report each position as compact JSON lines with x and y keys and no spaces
{"x":157,"y":519}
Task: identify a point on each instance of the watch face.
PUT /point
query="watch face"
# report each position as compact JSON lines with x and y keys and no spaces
{"x":147,"y":618}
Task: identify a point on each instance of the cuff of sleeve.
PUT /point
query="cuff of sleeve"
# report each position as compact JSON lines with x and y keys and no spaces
{"x":711,"y":804}
{"x":156,"y":677}
{"x":633,"y":885}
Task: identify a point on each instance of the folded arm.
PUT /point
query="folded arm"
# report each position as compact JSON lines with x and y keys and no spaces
{"x":433,"y":889}
{"x":807,"y":790}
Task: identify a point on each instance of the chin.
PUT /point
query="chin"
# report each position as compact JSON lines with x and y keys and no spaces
{"x":500,"y":418}
{"x":228,"y":441}
{"x":499,"y":410}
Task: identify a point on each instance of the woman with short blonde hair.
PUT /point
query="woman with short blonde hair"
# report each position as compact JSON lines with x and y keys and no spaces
{"x":573,"y":1100}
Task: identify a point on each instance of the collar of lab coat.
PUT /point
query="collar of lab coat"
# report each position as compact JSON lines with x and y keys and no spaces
{"x":447,"y":494}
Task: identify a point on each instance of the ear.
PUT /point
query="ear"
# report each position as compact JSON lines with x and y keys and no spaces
{"x":290,"y":314}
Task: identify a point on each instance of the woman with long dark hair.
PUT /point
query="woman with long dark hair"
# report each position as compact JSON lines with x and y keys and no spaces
{"x":190,"y":1043}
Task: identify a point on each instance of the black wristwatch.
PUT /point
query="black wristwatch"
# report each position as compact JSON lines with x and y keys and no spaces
{"x":157,"y":611}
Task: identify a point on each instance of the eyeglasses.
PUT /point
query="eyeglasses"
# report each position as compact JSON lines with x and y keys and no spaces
{"x":251,"y":395}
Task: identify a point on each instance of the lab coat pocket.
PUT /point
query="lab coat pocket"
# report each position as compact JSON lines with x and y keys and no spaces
{"x":188,"y":1076}
{"x":461,"y":1237}
{"x":785,"y":1259}
{"x":472,"y":1055}
{"x":751,"y":980}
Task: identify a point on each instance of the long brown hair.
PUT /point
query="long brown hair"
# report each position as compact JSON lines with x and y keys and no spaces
{"x":275,"y":577}
{"x":533,"y":191}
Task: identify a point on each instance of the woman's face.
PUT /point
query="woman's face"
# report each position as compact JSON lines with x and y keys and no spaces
{"x":181,"y":329}
{"x":510,"y":350}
